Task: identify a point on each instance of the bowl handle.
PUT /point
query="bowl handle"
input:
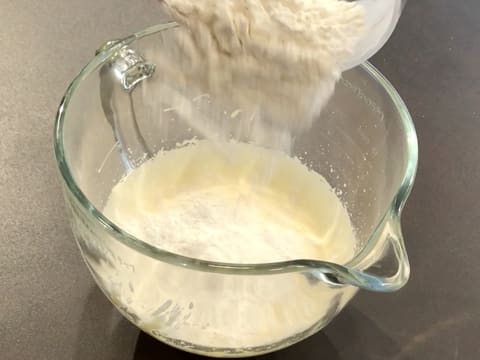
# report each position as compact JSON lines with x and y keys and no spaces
{"x":119,"y":76}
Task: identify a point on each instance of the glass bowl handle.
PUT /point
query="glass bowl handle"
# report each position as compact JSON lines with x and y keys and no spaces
{"x":120,"y":74}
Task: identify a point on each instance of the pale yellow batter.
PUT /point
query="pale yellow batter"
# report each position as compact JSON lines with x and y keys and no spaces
{"x":226,"y":202}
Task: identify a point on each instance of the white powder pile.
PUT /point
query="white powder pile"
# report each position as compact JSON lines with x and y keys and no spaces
{"x":275,"y":61}
{"x":241,"y":205}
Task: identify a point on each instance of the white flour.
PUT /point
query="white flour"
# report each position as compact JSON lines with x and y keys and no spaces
{"x":275,"y":61}
{"x":240,"y":205}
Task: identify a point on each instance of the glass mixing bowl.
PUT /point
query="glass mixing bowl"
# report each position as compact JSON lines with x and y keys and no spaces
{"x":364,"y":144}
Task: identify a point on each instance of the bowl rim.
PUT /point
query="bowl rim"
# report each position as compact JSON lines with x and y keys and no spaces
{"x":393,"y":212}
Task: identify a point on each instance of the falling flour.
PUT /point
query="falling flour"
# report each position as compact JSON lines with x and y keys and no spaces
{"x":276,"y":62}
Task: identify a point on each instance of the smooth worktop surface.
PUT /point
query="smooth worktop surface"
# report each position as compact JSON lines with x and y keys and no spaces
{"x":50,"y":307}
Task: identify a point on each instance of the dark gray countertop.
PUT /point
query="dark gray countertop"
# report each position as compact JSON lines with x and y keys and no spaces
{"x":49,"y":305}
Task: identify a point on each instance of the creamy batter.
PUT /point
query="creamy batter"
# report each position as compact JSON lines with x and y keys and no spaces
{"x":226,"y":202}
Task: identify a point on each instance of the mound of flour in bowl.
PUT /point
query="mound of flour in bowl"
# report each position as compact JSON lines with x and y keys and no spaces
{"x":277,"y":59}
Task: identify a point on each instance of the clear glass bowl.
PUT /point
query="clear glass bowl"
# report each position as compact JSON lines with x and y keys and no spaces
{"x":364,"y":144}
